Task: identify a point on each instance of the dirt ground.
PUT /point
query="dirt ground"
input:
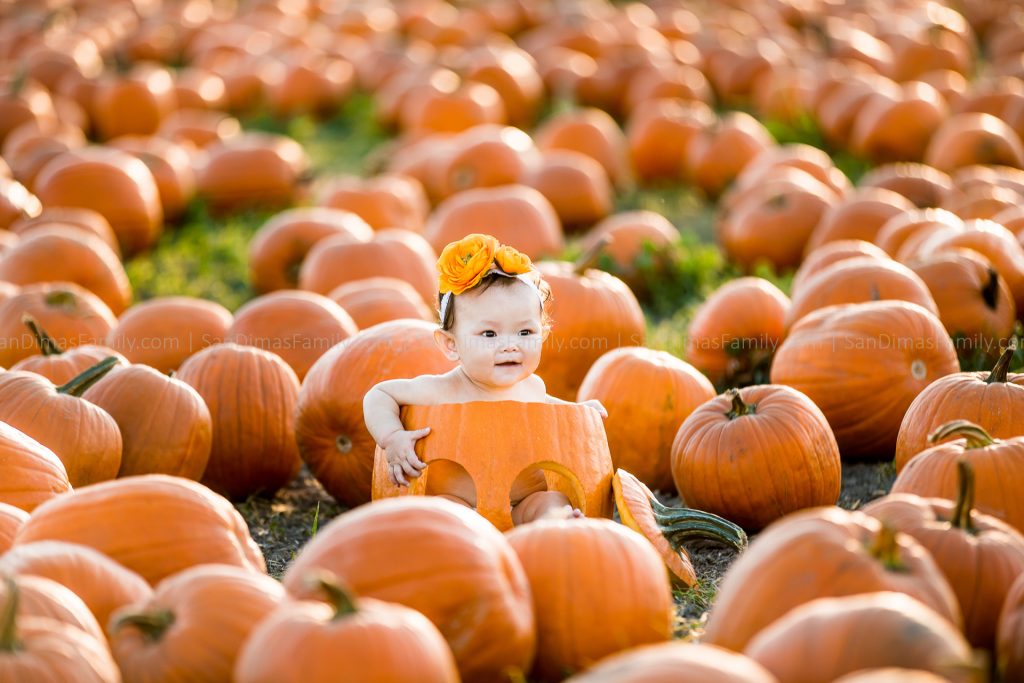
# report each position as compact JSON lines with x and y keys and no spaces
{"x":283,"y":524}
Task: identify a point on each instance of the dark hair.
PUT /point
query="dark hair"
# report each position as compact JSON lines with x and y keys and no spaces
{"x":502,"y":281}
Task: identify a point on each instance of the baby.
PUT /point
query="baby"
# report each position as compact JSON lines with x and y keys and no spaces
{"x":493,"y":322}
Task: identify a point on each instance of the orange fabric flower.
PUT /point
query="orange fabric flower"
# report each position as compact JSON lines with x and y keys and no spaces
{"x":463,"y":264}
{"x":512,"y":261}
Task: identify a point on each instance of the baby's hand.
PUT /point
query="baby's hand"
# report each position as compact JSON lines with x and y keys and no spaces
{"x":399,"y":449}
{"x":596,"y":405}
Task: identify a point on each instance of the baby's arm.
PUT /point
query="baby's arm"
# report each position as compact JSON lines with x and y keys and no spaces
{"x":381,"y":407}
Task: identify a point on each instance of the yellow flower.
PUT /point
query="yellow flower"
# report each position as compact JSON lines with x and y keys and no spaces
{"x":512,"y":261}
{"x":462,"y":264}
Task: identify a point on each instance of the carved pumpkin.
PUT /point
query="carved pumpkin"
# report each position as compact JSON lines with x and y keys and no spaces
{"x":675,"y":662}
{"x":743,"y":435}
{"x":167,"y":636}
{"x":387,"y":200}
{"x":251,"y":394}
{"x":853,"y":554}
{"x":374,"y":300}
{"x":998,"y":466}
{"x":11,"y":518}
{"x":668,"y":528}
{"x":57,"y":365}
{"x":569,"y":445}
{"x":735,"y":332}
{"x":343,"y":631}
{"x":332,"y":437}
{"x":68,"y":255}
{"x":979,"y":555}
{"x":456,"y":568}
{"x":297,"y":326}
{"x":647,"y":394}
{"x":164,"y":331}
{"x":895,"y":348}
{"x":637,"y":611}
{"x":890,"y":629}
{"x":165,"y":424}
{"x":100,"y":582}
{"x":82,"y":435}
{"x":1010,"y":631}
{"x":139,"y":531}
{"x":395,"y":252}
{"x":279,"y":247}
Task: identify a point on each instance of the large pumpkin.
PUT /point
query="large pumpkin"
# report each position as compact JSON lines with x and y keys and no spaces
{"x":165,"y":424}
{"x":622,"y":600}
{"x":833,"y":553}
{"x":863,"y":364}
{"x":332,"y":437}
{"x":647,"y":394}
{"x":675,"y":662}
{"x":455,"y":568}
{"x":251,"y":394}
{"x":138,"y":530}
{"x":993,"y":400}
{"x":469,"y":457}
{"x":347,"y":639}
{"x":193,"y":625}
{"x":772,"y":435}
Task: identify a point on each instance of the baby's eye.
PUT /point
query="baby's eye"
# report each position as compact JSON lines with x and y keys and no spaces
{"x":525,"y":333}
{"x":489,"y":333}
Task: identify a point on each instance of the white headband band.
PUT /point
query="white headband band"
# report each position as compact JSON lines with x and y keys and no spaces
{"x":446,"y":298}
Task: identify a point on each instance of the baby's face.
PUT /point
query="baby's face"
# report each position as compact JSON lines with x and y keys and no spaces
{"x":498,"y":333}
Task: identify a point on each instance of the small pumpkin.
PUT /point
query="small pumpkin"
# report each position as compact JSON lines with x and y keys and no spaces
{"x":828,"y":254}
{"x":659,"y":134}
{"x":717,"y":156}
{"x":974,"y":138}
{"x":913,"y":227}
{"x":634,"y":243}
{"x":404,"y":644}
{"x":576,"y":185}
{"x":387,"y":200}
{"x":57,"y":365}
{"x":922,"y":184}
{"x":374,"y":300}
{"x":76,"y":217}
{"x":860,"y":215}
{"x":251,"y":169}
{"x":590,"y":131}
{"x":40,"y":597}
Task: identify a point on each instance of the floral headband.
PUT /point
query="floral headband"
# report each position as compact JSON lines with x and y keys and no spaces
{"x":463,"y":264}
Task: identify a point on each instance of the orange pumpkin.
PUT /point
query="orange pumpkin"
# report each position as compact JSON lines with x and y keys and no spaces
{"x":914,"y":227}
{"x":40,"y":597}
{"x":16,"y":203}
{"x":133,"y":103}
{"x":632,"y":241}
{"x":332,"y":437}
{"x":308,"y":82}
{"x":922,"y":184}
{"x":170,"y":634}
{"x":31,"y":145}
{"x":57,"y":365}
{"x":659,"y":134}
{"x":675,"y":662}
{"x":34,"y":473}
{"x":374,"y":300}
{"x":647,"y":394}
{"x":895,"y":630}
{"x":511,"y":71}
{"x":343,"y":631}
{"x":974,"y":138}
{"x":199,"y":127}
{"x":77,"y":217}
{"x":447,"y":104}
{"x":758,"y":428}
{"x":487,"y":155}
{"x":735,"y":332}
{"x":978,"y":554}
{"x":251,"y":394}
{"x":1010,"y":632}
{"x":100,"y":582}
{"x":717,"y":156}
{"x":998,"y":466}
{"x":589,"y":131}
{"x":566,"y":603}
{"x":898,"y":128}
{"x":83,"y":436}
{"x":828,"y":254}
{"x":171,"y":166}
{"x":251,"y":169}
{"x":452,"y":558}
{"x":853,"y":554}
{"x":164,"y":423}
{"x":387,"y":200}
{"x":669,"y":80}
{"x":164,"y":331}
{"x":773,"y":161}
{"x":894,"y":348}
{"x":859,"y":215}
{"x":576,"y":185}
{"x":10,"y":519}
{"x":138,"y":530}
{"x":297,"y":326}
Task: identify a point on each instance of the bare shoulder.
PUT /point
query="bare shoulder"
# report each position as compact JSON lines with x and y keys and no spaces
{"x":422,"y":390}
{"x":535,"y":388}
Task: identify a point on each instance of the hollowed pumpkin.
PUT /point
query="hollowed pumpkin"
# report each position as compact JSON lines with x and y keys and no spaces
{"x":568,"y":441}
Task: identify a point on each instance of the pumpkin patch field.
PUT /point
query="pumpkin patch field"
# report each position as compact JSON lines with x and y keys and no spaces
{"x":784,"y":242}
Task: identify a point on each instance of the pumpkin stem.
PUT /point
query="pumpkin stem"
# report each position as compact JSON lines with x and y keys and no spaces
{"x":682,"y":524}
{"x":77,"y":385}
{"x":1002,"y":366}
{"x":885,"y":549}
{"x":964,"y":496}
{"x":47,"y":345}
{"x":739,"y":408}
{"x":152,"y":625}
{"x":590,"y":256}
{"x":8,"y":612}
{"x":341,"y":600}
{"x":990,"y":292}
{"x":976,"y":435}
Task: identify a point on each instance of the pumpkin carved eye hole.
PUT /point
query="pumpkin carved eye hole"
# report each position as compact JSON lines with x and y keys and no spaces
{"x":918,"y":369}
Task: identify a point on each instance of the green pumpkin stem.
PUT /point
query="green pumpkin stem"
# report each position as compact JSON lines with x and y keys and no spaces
{"x":682,"y":524}
{"x":885,"y":549}
{"x":339,"y":598}
{"x":739,"y":408}
{"x":152,"y":624}
{"x":77,"y":385}
{"x":8,"y":614}
{"x":964,"y":496}
{"x":976,"y":435}
{"x":47,"y":345}
{"x":1002,"y":366}
{"x":590,"y":257}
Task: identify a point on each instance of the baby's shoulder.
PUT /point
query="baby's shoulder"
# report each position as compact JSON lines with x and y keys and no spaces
{"x":420,"y":390}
